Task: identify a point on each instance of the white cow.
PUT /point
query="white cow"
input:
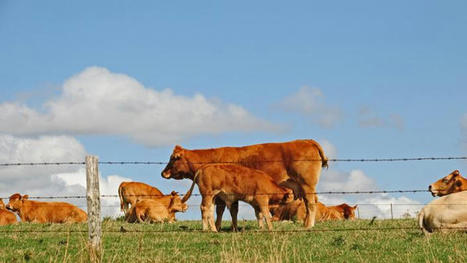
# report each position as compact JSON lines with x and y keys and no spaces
{"x":447,"y":213}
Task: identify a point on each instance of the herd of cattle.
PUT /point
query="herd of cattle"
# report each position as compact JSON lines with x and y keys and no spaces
{"x":277,"y":179}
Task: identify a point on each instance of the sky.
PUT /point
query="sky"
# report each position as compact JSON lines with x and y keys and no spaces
{"x":128,"y":81}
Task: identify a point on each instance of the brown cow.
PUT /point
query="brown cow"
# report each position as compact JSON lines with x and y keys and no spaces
{"x":6,"y":217}
{"x":45,"y":212}
{"x":451,"y":183}
{"x":296,"y":211}
{"x":232,"y":183}
{"x":295,"y":164}
{"x":132,"y":192}
{"x":157,"y":209}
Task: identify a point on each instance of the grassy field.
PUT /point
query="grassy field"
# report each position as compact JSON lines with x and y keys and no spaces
{"x":402,"y":241}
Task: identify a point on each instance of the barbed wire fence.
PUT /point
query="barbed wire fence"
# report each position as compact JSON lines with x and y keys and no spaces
{"x":94,"y":205}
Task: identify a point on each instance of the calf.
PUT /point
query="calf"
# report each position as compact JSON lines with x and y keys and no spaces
{"x":232,"y":183}
{"x":157,"y":209}
{"x":45,"y":212}
{"x":132,"y":192}
{"x":447,"y":213}
{"x":296,"y":211}
{"x":451,"y":183}
{"x":6,"y":217}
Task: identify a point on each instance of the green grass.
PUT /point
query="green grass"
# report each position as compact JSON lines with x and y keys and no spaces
{"x":184,"y":242}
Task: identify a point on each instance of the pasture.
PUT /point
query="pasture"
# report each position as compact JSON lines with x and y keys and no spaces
{"x":336,"y":241}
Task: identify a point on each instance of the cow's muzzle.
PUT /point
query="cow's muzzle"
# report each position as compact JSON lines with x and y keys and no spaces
{"x":433,"y":192}
{"x":166,"y":175}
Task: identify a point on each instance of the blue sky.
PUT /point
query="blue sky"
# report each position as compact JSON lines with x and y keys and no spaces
{"x":369,"y":79}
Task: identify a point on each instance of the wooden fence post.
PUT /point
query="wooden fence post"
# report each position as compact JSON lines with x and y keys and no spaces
{"x":94,"y":208}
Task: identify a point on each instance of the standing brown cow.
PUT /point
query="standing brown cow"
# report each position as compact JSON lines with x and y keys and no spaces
{"x":132,"y":192}
{"x":45,"y":212}
{"x":158,"y":209}
{"x":451,"y":183}
{"x":6,"y":217}
{"x":295,"y":164}
{"x":232,"y":183}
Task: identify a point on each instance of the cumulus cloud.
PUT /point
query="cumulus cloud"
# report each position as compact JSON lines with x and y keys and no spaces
{"x":60,"y":180}
{"x":97,"y":101}
{"x":310,"y":102}
{"x":368,"y":118}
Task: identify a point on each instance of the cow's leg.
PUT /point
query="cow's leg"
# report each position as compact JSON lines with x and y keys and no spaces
{"x":207,"y":211}
{"x":220,"y":208}
{"x":139,"y":216}
{"x":259,"y":217}
{"x":310,"y":205}
{"x":233,"y":213}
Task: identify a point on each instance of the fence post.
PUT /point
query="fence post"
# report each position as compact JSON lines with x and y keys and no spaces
{"x":94,"y":208}
{"x":392,"y":214}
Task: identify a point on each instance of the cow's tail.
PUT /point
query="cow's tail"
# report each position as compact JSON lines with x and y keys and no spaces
{"x":421,"y":222}
{"x":120,"y":195}
{"x":188,"y":194}
{"x":324,"y":159}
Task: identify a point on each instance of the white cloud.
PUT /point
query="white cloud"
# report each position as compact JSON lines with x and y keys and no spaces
{"x":310,"y":103}
{"x":368,"y":118}
{"x":97,"y":101}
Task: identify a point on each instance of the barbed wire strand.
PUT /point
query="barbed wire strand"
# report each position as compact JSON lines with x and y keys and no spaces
{"x":302,"y":160}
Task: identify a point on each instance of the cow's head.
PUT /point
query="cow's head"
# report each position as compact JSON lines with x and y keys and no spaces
{"x":349,"y":211}
{"x":449,"y":184}
{"x":178,"y":167}
{"x":176,"y":204}
{"x":288,"y":197}
{"x":16,"y":202}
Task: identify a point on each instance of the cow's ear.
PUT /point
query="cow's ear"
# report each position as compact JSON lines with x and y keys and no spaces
{"x":174,"y":193}
{"x":355,"y":206}
{"x":178,"y":148}
{"x":25,"y":197}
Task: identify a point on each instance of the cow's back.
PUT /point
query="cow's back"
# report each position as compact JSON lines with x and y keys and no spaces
{"x":135,"y":191}
{"x":52,"y":212}
{"x":275,"y":159}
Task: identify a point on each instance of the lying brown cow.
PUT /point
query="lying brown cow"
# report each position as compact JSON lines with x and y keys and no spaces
{"x":232,"y":183}
{"x":6,"y":217}
{"x":295,"y":164}
{"x":452,"y":183}
{"x":132,"y":192}
{"x":45,"y":212}
{"x":296,"y":211}
{"x":157,"y":209}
